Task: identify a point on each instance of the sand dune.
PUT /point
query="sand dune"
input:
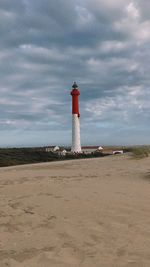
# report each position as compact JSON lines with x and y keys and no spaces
{"x":88,"y":213}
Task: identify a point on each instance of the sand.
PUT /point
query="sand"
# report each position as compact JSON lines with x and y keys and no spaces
{"x":88,"y":213}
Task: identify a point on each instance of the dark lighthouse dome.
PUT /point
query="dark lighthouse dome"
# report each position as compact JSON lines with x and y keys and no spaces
{"x":74,"y":86}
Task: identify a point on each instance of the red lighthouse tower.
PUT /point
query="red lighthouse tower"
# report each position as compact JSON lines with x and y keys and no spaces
{"x":76,"y":145}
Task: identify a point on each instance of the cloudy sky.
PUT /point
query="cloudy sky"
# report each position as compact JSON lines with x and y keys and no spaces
{"x":103,"y":45}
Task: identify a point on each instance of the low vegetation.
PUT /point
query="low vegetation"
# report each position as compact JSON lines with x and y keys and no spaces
{"x":140,"y":152}
{"x":17,"y":156}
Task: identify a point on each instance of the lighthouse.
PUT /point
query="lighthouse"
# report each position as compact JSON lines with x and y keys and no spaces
{"x":76,"y":145}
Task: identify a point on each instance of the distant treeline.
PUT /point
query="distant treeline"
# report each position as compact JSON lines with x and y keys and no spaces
{"x":17,"y":156}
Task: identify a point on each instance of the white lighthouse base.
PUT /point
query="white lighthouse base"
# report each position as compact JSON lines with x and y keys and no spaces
{"x":76,"y":145}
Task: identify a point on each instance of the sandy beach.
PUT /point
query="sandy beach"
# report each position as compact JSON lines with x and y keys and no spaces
{"x":88,"y":213}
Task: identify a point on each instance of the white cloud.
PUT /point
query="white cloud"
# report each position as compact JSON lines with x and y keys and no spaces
{"x":132,"y":11}
{"x":84,"y":18}
{"x":113,"y":46}
{"x":133,"y":25}
{"x":42,"y":52}
{"x":108,"y":4}
{"x":122,"y":108}
{"x":106,"y":67}
{"x":143,"y":31}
